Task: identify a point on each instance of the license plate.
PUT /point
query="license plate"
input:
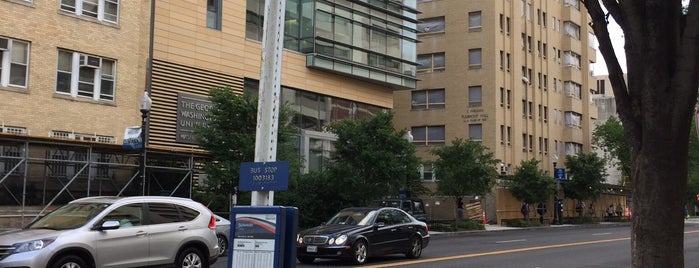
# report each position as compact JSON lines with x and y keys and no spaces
{"x":312,"y":249}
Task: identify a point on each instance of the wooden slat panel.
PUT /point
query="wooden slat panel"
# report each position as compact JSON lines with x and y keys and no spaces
{"x":169,"y":79}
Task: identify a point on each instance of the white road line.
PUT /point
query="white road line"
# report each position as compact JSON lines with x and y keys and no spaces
{"x":602,"y":234}
{"x":510,"y":241}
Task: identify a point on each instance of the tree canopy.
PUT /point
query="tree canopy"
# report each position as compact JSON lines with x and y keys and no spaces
{"x":609,"y":136}
{"x":586,"y":176}
{"x":465,"y":168}
{"x":529,"y":183}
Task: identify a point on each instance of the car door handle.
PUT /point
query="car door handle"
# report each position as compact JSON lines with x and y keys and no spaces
{"x":141,"y":233}
{"x":182,"y":228}
{"x":394,"y":229}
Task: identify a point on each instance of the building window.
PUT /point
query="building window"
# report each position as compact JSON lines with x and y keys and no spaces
{"x":475,"y":132}
{"x":573,"y":148}
{"x":428,"y":135}
{"x":102,"y":10}
{"x":502,"y":134}
{"x":427,"y":172}
{"x":14,"y":62}
{"x":600,"y":87}
{"x":254,"y":19}
{"x":475,"y":96}
{"x":428,"y":99}
{"x":213,"y":14}
{"x":571,"y":59}
{"x":428,"y":63}
{"x":474,"y":58}
{"x":431,"y":25}
{"x":10,"y":159}
{"x":572,"y":3}
{"x":82,"y":75}
{"x":573,"y":90}
{"x":474,"y":20}
{"x":573,"y":120}
{"x":502,"y":97}
{"x":571,"y":29}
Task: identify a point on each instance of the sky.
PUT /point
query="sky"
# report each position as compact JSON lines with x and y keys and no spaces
{"x":617,"y":36}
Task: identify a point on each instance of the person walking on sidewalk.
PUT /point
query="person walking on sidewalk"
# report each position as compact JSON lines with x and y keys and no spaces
{"x":541,"y":210}
{"x":610,"y":212}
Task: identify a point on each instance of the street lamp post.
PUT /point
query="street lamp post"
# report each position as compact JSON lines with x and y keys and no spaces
{"x":144,"y":106}
{"x":409,"y":137}
{"x":557,"y":204}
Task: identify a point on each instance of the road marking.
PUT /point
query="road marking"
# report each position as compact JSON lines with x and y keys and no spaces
{"x":602,"y":234}
{"x":510,"y":241}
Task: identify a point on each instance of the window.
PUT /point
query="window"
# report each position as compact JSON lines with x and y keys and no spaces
{"x":428,"y":99}
{"x":524,"y":142}
{"x":508,"y":25}
{"x":428,"y":135}
{"x":428,"y":63}
{"x":213,"y":14}
{"x":160,"y":213}
{"x":127,"y":215}
{"x":102,"y":10}
{"x":571,"y":29}
{"x":81,"y":75}
{"x":14,"y":62}
{"x":509,"y":135}
{"x":502,"y":134}
{"x":573,"y":90}
{"x":254,"y":19}
{"x":475,"y":132}
{"x":10,"y":159}
{"x":509,"y":97}
{"x":543,"y":16}
{"x":573,"y":148}
{"x":572,"y":3}
{"x":431,"y":25}
{"x":571,"y":59}
{"x":474,"y":58}
{"x":427,"y":172}
{"x":502,"y":23}
{"x":600,"y":87}
{"x":507,"y":57}
{"x":475,"y":96}
{"x":502,"y":97}
{"x":573,"y":119}
{"x":474,"y":20}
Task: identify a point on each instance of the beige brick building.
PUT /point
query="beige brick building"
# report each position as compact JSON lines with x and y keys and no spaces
{"x":72,"y":74}
{"x":512,"y":74}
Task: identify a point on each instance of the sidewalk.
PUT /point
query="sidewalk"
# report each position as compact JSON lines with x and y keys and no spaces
{"x":495,"y":228}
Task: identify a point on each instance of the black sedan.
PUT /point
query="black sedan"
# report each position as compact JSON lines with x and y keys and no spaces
{"x":358,"y":233}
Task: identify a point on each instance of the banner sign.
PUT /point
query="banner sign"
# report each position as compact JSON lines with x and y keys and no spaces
{"x":192,"y":111}
{"x":132,"y":138}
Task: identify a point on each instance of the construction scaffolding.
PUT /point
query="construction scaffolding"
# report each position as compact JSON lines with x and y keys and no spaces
{"x":38,"y":174}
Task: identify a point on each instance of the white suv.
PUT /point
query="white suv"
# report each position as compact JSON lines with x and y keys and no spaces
{"x":116,"y":232}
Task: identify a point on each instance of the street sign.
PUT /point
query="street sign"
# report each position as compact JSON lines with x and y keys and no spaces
{"x":560,"y":174}
{"x":264,"y":176}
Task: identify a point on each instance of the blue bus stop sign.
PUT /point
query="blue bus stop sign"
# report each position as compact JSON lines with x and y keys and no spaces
{"x":264,"y":176}
{"x":560,"y":174}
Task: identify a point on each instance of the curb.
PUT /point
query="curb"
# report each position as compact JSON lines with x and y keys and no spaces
{"x":505,"y":229}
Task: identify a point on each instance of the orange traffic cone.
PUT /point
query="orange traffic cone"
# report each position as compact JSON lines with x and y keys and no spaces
{"x":483,"y":220}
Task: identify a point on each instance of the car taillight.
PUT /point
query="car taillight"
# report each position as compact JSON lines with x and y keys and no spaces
{"x":427,"y":228}
{"x":212,"y":223}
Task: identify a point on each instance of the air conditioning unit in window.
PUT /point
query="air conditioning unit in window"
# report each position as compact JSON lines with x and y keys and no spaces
{"x":4,"y":44}
{"x":90,"y":61}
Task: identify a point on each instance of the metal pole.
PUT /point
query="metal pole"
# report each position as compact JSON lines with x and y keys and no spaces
{"x":270,"y":92}
{"x":142,"y":162}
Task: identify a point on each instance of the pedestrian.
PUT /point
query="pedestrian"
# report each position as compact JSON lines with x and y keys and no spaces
{"x":619,"y":210}
{"x":541,"y":210}
{"x":610,"y":212}
{"x":460,"y":208}
{"x":591,"y":210}
{"x":525,"y":210}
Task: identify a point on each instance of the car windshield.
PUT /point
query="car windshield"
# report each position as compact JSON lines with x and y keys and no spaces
{"x":70,"y":216}
{"x":352,"y":217}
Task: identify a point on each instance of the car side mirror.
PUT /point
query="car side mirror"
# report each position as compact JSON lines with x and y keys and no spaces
{"x":379,"y":225}
{"x":108,"y":225}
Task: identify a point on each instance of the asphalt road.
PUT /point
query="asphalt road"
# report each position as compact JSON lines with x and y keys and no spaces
{"x":596,"y":246}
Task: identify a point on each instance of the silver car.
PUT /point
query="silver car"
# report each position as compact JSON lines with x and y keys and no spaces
{"x":223,"y":231}
{"x":116,"y":232}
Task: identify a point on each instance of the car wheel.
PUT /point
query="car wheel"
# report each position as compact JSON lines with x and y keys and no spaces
{"x":359,"y":252}
{"x":222,"y":245}
{"x":306,"y":260}
{"x":191,"y":258}
{"x":415,"y":249}
{"x":70,"y":261}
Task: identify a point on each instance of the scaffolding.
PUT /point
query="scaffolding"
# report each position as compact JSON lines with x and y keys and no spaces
{"x":38,"y":174}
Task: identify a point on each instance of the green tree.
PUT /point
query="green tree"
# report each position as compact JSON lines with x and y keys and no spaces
{"x":229,"y":138}
{"x":529,"y":183}
{"x":373,"y":159}
{"x":587,"y":176}
{"x":465,"y":168}
{"x":609,"y":137}
{"x":655,"y":102}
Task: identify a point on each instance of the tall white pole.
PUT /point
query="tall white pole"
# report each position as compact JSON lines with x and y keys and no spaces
{"x":269,"y":92}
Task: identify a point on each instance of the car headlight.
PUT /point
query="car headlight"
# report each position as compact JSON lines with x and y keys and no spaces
{"x":341,"y":240}
{"x":32,"y":245}
{"x":299,"y":239}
